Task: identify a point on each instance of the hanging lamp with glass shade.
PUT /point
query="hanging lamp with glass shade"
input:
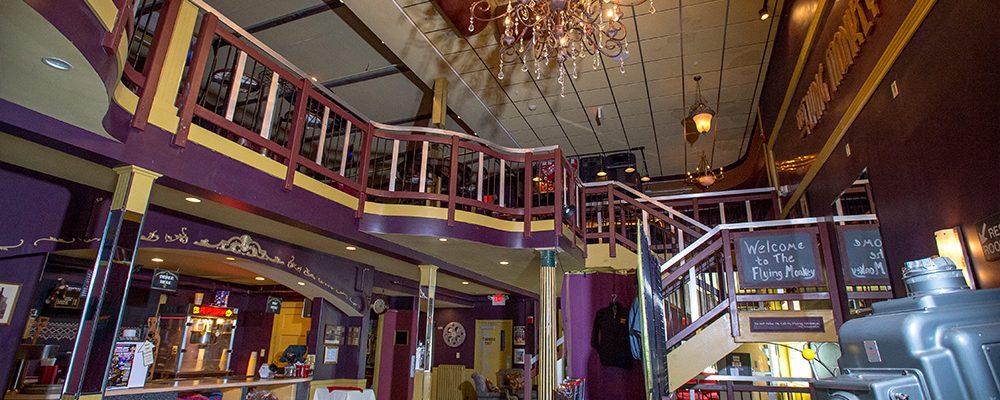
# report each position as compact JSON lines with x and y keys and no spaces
{"x":700,"y":112}
{"x":603,"y":171}
{"x":703,"y":175}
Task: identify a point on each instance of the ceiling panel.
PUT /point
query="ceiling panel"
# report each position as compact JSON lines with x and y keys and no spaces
{"x":249,"y":12}
{"x":404,"y":102}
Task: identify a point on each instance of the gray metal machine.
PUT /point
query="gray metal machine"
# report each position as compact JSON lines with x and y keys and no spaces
{"x":942,"y":342}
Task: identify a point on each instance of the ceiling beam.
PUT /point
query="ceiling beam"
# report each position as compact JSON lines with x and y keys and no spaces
{"x":367,"y":75}
{"x":292,"y":17}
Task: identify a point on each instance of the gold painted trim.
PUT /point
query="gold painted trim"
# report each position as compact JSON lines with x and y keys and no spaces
{"x":105,"y":11}
{"x":378,"y":353}
{"x":903,"y":35}
{"x":313,"y":385}
{"x":800,"y":65}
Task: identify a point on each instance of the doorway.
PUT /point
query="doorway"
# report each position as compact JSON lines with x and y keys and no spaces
{"x":493,"y":346}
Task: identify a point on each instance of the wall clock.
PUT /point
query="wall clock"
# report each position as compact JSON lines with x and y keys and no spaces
{"x":454,"y":334}
{"x":379,"y":306}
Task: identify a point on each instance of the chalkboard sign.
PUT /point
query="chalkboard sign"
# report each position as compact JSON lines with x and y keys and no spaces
{"x":862,"y":258}
{"x":989,"y":237}
{"x":778,"y":259}
{"x":165,"y":280}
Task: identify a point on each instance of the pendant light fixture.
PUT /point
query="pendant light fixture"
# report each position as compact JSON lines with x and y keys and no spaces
{"x":703,"y":175}
{"x":764,"y":12}
{"x":630,"y":169}
{"x":603,"y":171}
{"x":700,"y":112}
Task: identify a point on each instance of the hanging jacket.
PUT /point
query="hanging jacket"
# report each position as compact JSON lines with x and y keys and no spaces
{"x":611,"y":337}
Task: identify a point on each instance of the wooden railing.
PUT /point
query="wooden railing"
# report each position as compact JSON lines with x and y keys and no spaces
{"x":706,"y":387}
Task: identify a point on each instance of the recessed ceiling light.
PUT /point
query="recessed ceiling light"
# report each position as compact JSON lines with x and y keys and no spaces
{"x":230,"y":258}
{"x":532,"y":107}
{"x":313,"y":78}
{"x":259,"y":278}
{"x":156,"y":259}
{"x":351,"y":248}
{"x":300,"y":283}
{"x":193,"y":199}
{"x":465,"y":282}
{"x":443,"y":239}
{"x":57,"y":63}
{"x":504,"y":262}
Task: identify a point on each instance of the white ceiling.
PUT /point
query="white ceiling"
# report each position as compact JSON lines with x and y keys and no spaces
{"x":642,"y":107}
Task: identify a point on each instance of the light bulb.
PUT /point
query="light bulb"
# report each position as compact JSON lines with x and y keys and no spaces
{"x":703,"y":121}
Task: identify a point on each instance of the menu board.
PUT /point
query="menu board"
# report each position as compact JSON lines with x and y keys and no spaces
{"x":778,"y":259}
{"x":862,"y":258}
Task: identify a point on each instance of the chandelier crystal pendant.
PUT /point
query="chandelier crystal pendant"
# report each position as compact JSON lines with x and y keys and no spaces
{"x":703,"y":175}
{"x":535,"y":32}
{"x":700,"y":112}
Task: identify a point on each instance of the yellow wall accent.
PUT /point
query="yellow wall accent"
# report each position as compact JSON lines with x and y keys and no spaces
{"x":173,"y":67}
{"x":599,"y":257}
{"x":105,"y":11}
{"x":289,"y":328}
{"x":403,"y":210}
{"x":882,"y":66}
{"x":133,"y":188}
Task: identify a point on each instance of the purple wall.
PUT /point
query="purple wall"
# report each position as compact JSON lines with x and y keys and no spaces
{"x":582,"y":296}
{"x":23,"y":270}
{"x":350,"y":360}
{"x":515,"y":310}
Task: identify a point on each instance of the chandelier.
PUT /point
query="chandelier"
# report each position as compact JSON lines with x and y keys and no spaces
{"x":704,"y":176}
{"x":537,"y":31}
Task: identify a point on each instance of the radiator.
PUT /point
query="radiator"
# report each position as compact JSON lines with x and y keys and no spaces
{"x":446,"y":381}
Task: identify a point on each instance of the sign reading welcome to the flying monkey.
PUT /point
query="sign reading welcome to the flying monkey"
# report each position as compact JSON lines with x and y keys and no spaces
{"x":778,"y":259}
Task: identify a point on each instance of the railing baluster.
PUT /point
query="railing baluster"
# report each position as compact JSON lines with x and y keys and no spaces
{"x":344,"y":153}
{"x":321,"y":146}
{"x":749,"y":213}
{"x":453,"y":176}
{"x":272,"y":94}
{"x":612,"y":242}
{"x":479,"y":182}
{"x":422,"y":181}
{"x":503,"y":181}
{"x":236,"y":85}
{"x":529,"y":169}
{"x":393,"y":168}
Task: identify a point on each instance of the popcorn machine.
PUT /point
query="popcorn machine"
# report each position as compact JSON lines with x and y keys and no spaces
{"x":197,"y":344}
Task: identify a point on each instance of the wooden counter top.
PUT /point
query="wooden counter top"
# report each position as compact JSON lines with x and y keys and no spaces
{"x":203,"y":384}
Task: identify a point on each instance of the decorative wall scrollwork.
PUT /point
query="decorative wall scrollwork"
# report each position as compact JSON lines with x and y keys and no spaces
{"x":13,"y":246}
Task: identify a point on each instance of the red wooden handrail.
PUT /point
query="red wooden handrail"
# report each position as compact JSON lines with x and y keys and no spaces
{"x":154,"y":62}
{"x":192,"y":86}
{"x":298,"y":125}
{"x":124,"y":24}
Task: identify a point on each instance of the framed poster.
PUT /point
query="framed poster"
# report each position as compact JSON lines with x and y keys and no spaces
{"x":8,"y":299}
{"x":519,"y":356}
{"x":519,"y":335}
{"x":330,"y":354}
{"x":354,"y":336}
{"x":333,"y":335}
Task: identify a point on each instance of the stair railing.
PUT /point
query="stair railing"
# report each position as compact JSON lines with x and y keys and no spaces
{"x":700,"y":282}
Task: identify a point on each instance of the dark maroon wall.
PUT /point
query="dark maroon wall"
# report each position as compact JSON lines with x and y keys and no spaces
{"x":394,"y":372}
{"x":933,"y":153}
{"x":582,"y":296}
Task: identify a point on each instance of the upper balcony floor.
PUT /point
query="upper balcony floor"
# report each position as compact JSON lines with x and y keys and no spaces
{"x":178,"y":88}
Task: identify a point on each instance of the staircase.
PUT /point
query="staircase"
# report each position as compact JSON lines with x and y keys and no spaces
{"x":707,"y":311}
